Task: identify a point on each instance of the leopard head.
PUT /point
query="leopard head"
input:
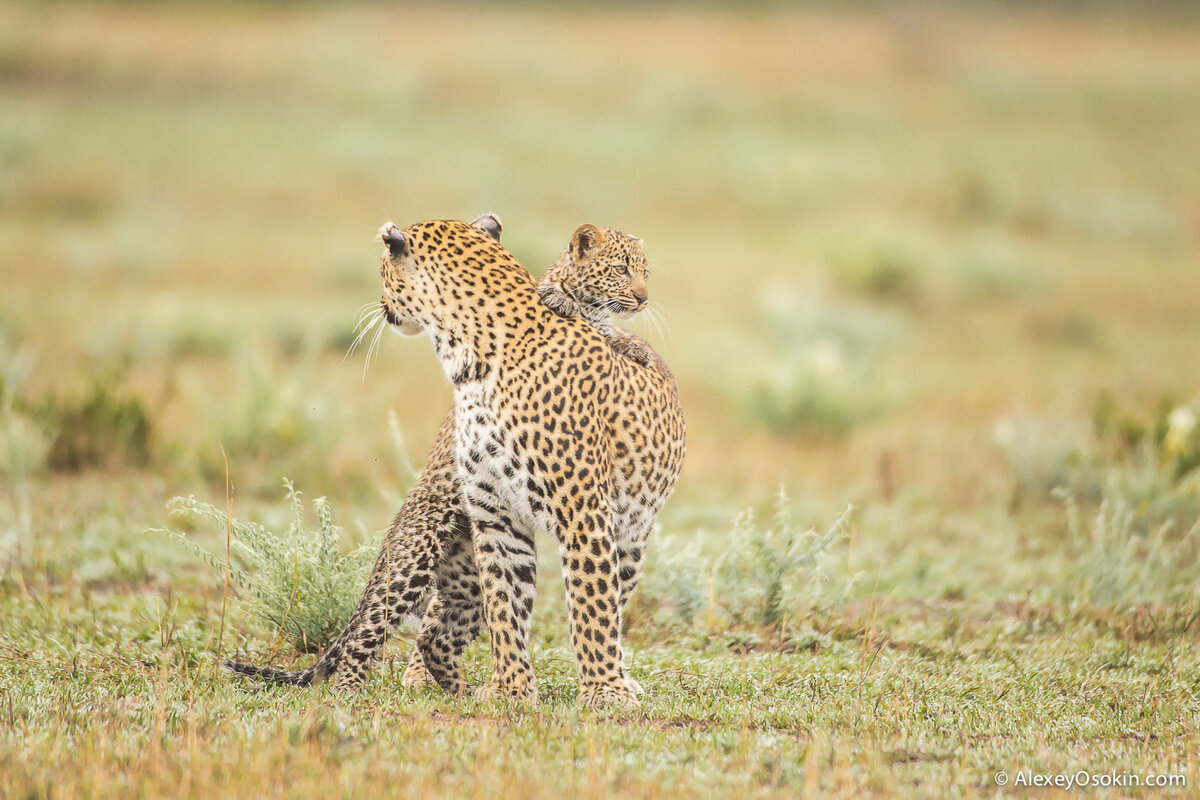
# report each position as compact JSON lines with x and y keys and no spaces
{"x":603,"y":270}
{"x":408,"y":289}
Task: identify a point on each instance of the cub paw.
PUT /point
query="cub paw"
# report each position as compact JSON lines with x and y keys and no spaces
{"x":348,"y":682}
{"x":634,"y":686}
{"x":609,"y":695}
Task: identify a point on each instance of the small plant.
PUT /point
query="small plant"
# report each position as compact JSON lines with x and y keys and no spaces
{"x":882,"y":264}
{"x":1171,"y":434}
{"x":300,"y":583}
{"x":270,"y":411}
{"x":812,"y":368}
{"x":105,"y":428}
{"x":675,"y":587}
{"x":1119,"y":561}
{"x":1150,"y":464}
{"x":767,"y":575}
{"x":23,"y":448}
{"x":23,"y":444}
{"x":765,"y":581}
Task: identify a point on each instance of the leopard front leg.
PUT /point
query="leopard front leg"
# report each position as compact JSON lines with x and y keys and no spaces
{"x":507,"y":564}
{"x":594,"y":594}
{"x":630,"y":560}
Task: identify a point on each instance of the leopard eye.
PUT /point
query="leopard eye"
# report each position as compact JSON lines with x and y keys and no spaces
{"x":623,"y":269}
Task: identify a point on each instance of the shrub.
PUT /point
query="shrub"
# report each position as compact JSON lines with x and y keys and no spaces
{"x":811,"y":367}
{"x":1170,"y":435}
{"x":267,"y":412}
{"x":1120,"y":561}
{"x":880,"y":263}
{"x":104,"y":428}
{"x":23,"y":445}
{"x":300,"y":583}
{"x":766,"y":580}
{"x":1150,"y":464}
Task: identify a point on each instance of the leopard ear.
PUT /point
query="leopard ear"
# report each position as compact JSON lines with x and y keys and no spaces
{"x":395,"y":240}
{"x":489,"y":224}
{"x":586,"y":241}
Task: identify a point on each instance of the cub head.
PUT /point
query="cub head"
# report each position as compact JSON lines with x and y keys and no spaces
{"x":423,"y":257}
{"x":604,"y":270}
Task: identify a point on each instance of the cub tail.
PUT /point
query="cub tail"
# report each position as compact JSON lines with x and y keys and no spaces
{"x":326,"y":665}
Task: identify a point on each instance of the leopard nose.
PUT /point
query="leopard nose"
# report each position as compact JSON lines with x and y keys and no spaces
{"x":640,"y":297}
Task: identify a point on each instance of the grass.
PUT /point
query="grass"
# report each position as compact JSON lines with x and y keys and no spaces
{"x":937,"y":263}
{"x":900,"y":701}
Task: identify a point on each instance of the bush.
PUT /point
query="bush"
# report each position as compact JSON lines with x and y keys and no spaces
{"x":766,"y":581}
{"x":811,"y":368}
{"x":1149,"y":464}
{"x":23,"y":445}
{"x":1119,"y":561}
{"x":104,"y":429}
{"x":300,"y":583}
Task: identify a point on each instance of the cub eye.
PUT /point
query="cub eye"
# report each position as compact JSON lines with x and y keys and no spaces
{"x":623,"y":269}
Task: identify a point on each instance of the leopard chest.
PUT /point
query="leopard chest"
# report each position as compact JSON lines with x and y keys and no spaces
{"x":494,"y":468}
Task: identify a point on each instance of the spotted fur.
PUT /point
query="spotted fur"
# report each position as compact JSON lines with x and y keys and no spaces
{"x":553,"y":432}
{"x":602,"y":271}
{"x":429,"y":544}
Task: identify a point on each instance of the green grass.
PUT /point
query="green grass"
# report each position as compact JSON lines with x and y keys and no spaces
{"x":900,"y":699}
{"x":935,"y":262}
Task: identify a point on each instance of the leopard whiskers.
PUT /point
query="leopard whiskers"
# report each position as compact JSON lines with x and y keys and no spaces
{"x":373,"y":348}
{"x":363,"y":325}
{"x":656,"y":319}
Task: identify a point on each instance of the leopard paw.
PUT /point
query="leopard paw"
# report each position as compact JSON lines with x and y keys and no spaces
{"x":495,"y":691}
{"x":618,"y":695}
{"x":417,"y":677}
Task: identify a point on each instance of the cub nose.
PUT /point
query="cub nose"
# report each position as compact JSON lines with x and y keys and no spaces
{"x":640,"y":297}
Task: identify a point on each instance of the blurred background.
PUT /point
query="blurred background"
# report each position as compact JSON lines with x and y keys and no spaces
{"x":934,"y":260}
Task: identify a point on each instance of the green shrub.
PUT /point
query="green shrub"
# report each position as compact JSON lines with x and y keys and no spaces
{"x":1118,"y":560}
{"x":105,"y":428}
{"x":767,"y":579}
{"x":880,"y":262}
{"x":1170,"y":434}
{"x":809,"y":365}
{"x":23,"y":444}
{"x":269,"y":411}
{"x":769,"y":576}
{"x":1147,"y":463}
{"x":300,"y":583}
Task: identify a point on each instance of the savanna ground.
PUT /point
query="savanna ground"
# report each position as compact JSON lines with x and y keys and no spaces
{"x":940,"y":265}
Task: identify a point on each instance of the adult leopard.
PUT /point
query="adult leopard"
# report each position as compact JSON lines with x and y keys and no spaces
{"x":553,"y":432}
{"x":601,"y":271}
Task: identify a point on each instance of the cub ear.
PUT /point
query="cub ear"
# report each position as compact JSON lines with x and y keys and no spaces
{"x":586,"y":241}
{"x":489,"y":224}
{"x":394,"y":238}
